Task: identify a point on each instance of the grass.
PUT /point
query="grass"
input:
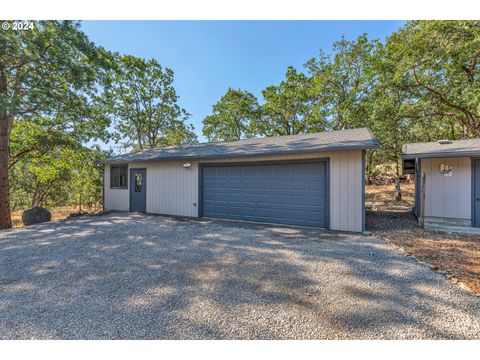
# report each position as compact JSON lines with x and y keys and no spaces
{"x":58,"y":213}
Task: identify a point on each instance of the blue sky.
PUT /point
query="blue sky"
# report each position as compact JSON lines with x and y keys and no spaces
{"x":208,"y":57}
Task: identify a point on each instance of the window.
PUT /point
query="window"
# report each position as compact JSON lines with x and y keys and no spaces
{"x":409,"y":166}
{"x":138,"y":182}
{"x":118,"y":177}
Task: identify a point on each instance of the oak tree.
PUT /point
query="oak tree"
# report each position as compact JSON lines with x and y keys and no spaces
{"x":48,"y":74}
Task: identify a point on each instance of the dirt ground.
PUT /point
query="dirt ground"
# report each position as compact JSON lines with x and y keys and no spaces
{"x":380,"y":198}
{"x":455,"y":255}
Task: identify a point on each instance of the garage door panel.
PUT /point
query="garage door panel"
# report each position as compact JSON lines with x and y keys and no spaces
{"x":282,"y":184}
{"x":297,"y":184}
{"x":288,"y":193}
{"x":265,"y":170}
{"x":315,"y":185}
{"x":264,"y":185}
{"x":249,"y":184}
{"x":279,"y":214}
{"x":298,"y":200}
{"x":282,"y":170}
{"x":298,"y":169}
{"x":314,"y":215}
{"x":235,"y":171}
{"x":279,"y":200}
{"x":312,"y":169}
{"x":223,"y":171}
{"x":209,"y":171}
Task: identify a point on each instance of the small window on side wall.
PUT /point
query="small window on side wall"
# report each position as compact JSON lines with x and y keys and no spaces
{"x":118,"y":177}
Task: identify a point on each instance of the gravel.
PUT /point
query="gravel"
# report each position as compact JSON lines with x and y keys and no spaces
{"x":132,"y":276}
{"x":454,"y":254}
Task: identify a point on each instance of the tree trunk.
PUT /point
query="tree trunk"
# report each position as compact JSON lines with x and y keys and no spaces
{"x":139,"y":139}
{"x":5,"y":216}
{"x":398,"y":190}
{"x":368,"y":167}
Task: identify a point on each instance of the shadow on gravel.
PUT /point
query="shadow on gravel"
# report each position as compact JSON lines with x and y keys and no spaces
{"x":390,"y":220}
{"x":135,"y":276}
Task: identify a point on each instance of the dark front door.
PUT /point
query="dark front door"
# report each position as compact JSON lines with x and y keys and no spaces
{"x":476,"y":194}
{"x":138,"y":190}
{"x":286,"y":193}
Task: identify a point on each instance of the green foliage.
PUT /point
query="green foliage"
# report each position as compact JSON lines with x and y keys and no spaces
{"x":86,"y":183}
{"x":235,"y":116}
{"x":36,"y":137}
{"x":288,"y":107}
{"x":53,"y":72}
{"x":141,"y":96}
{"x":341,"y":86}
{"x":441,"y":60}
{"x":62,"y":177}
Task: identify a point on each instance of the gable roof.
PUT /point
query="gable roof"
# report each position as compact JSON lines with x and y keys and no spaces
{"x":443,"y":148}
{"x":304,"y":143}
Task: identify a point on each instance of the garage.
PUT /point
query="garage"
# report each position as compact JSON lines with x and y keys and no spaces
{"x":313,"y":180}
{"x":292,"y":193}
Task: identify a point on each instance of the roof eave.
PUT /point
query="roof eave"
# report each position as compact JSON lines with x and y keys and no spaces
{"x":441,"y":154}
{"x":373,"y":145}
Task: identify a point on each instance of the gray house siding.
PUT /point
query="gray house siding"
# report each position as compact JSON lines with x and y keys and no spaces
{"x":174,"y":190}
{"x":448,"y":199}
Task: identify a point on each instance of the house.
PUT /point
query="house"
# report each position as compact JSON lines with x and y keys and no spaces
{"x":452,"y":181}
{"x":314,"y":180}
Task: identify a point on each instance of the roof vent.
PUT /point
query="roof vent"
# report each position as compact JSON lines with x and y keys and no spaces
{"x":443,"y":142}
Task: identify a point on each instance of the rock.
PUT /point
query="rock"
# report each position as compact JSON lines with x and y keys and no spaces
{"x":76,"y":214}
{"x":36,"y":215}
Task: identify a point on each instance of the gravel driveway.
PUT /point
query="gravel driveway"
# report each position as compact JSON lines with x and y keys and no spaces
{"x":137,"y":276}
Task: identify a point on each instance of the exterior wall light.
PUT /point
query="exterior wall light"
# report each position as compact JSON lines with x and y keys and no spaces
{"x":187,"y":165}
{"x":446,"y":170}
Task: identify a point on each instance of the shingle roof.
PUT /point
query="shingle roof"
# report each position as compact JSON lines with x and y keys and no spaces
{"x":304,"y":143}
{"x":442,"y":149}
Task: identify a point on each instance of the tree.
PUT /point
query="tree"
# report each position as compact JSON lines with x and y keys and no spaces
{"x":49,"y":72}
{"x":389,"y":104}
{"x":47,"y":177}
{"x":405,"y":104}
{"x":85,"y":186}
{"x":288,"y":107}
{"x":342,"y":85}
{"x":234,"y":116}
{"x":142,"y":98}
{"x":441,"y":59}
{"x":64,"y":176}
